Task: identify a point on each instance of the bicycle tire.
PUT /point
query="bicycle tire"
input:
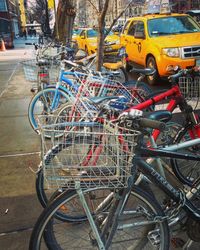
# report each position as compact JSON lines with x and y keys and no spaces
{"x":186,"y":171}
{"x":81,"y":235}
{"x":40,"y":109}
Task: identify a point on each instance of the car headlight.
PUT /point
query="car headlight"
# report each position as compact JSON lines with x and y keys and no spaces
{"x":171,"y":52}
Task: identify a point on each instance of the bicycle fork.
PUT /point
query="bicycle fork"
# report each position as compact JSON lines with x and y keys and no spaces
{"x":89,"y":216}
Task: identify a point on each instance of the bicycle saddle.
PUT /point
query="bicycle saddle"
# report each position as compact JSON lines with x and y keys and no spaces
{"x":159,"y":115}
{"x":146,"y":71}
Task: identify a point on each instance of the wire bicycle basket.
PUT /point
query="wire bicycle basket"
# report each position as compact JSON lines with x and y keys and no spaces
{"x":190,"y":88}
{"x":92,"y":87}
{"x":42,"y":74}
{"x":90,"y":153}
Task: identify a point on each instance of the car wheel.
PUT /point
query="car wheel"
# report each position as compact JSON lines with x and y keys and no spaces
{"x":151,"y":63}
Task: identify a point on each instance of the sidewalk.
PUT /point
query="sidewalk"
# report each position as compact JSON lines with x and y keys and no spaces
{"x":19,"y":207}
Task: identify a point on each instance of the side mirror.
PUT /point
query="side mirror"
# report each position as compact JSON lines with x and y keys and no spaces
{"x":82,"y":37}
{"x":139,"y":35}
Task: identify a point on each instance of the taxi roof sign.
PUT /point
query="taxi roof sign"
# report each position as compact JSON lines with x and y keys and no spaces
{"x":157,"y":6}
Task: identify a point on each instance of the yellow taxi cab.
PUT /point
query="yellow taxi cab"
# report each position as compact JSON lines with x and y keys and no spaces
{"x":87,"y":40}
{"x":162,"y":42}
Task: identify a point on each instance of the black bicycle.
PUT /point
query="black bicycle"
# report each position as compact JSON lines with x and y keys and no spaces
{"x":119,"y":214}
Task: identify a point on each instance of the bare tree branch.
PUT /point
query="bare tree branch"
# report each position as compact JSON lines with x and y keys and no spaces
{"x":105,"y":8}
{"x":97,"y":11}
{"x":114,"y":21}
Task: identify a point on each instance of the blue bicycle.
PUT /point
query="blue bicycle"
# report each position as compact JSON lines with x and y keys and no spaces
{"x":54,"y":98}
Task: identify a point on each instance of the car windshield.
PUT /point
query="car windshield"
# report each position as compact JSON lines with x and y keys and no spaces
{"x":76,"y":32}
{"x":94,"y":33}
{"x":172,"y":26}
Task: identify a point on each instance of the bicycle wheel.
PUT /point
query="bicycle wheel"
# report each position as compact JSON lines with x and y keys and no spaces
{"x":142,"y":87}
{"x":41,"y":104}
{"x":148,"y":233}
{"x":187,"y":171}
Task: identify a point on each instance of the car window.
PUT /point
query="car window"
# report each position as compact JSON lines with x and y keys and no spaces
{"x":82,"y":33}
{"x":126,"y":26}
{"x":132,"y":27}
{"x":139,"y":27}
{"x":76,"y":32}
{"x":172,"y":26}
{"x":92,"y":33}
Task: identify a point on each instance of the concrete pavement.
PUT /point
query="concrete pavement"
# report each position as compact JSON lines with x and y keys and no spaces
{"x":19,"y":156}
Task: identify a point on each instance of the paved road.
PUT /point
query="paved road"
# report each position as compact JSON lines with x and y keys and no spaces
{"x":19,"y":156}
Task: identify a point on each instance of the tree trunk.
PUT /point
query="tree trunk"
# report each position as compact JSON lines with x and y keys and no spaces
{"x":65,"y":17}
{"x":101,"y":28}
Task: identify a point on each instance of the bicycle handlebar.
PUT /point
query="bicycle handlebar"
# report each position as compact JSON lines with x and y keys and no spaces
{"x":138,"y":121}
{"x":148,"y":123}
{"x":183,"y":72}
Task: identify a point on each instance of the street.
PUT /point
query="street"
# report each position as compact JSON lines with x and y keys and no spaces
{"x":19,"y":152}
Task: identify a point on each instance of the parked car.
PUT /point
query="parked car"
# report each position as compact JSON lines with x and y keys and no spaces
{"x":87,"y":40}
{"x":162,"y":41}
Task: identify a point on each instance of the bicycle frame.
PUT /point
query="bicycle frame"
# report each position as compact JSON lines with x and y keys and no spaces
{"x":159,"y":180}
{"x":155,"y":177}
{"x":177,"y":100}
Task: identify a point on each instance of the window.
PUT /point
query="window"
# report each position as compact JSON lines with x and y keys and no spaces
{"x":126,"y":26}
{"x":92,"y":33}
{"x":82,"y":33}
{"x":139,"y":27}
{"x":3,"y":6}
{"x":131,"y":30}
{"x":172,"y":26}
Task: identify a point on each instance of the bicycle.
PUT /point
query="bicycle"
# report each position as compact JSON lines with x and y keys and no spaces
{"x":178,"y":99}
{"x":117,"y":213}
{"x":50,"y":99}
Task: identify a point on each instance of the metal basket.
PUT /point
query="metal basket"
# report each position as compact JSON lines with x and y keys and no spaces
{"x":87,"y":153}
{"x":190,"y":87}
{"x":30,"y":70}
{"x":45,"y":74}
{"x":92,"y":87}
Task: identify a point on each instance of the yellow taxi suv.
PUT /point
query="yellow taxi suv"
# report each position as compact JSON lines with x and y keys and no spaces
{"x":162,"y":42}
{"x":87,"y":40}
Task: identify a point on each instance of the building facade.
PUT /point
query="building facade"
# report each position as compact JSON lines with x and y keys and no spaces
{"x":181,"y":6}
{"x":87,"y":15}
{"x":9,"y":17}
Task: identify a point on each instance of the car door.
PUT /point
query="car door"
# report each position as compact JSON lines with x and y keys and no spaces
{"x":129,"y":40}
{"x":81,"y":42}
{"x":139,"y":44}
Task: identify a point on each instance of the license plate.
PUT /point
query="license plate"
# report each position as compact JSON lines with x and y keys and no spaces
{"x":197,"y":62}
